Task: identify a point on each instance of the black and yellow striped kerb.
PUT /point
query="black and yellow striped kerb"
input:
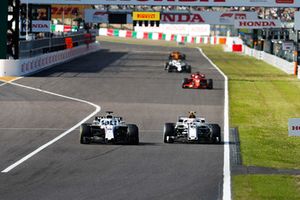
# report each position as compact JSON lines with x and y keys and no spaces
{"x":146,"y":16}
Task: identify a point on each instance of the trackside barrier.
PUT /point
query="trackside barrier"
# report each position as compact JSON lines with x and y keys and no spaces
{"x":28,"y":66}
{"x":162,"y":36}
{"x":287,"y":67}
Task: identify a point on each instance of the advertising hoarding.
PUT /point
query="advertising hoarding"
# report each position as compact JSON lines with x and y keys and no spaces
{"x":205,"y":17}
{"x":96,"y":16}
{"x":39,"y":26}
{"x":68,"y":11}
{"x":294,"y":126}
{"x":212,"y":18}
{"x":218,"y":3}
{"x":150,"y":16}
{"x":257,"y":24}
{"x":180,"y":29}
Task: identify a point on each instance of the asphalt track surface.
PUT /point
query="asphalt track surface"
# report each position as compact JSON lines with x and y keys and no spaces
{"x":130,"y":80}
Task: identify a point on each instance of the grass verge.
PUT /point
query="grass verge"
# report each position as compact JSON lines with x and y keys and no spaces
{"x":262,"y":99}
{"x":261,"y":187}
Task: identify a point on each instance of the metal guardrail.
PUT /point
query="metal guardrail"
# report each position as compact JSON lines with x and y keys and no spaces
{"x":41,"y":46}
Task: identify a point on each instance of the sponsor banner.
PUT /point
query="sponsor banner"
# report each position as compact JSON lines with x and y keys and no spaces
{"x":95,"y":16}
{"x":257,"y":24}
{"x":287,"y":45}
{"x":68,"y":11}
{"x":251,"y":3}
{"x":150,"y":16}
{"x":213,"y":18}
{"x":41,"y":26}
{"x":294,"y":127}
{"x":63,"y":28}
{"x":297,"y":20}
{"x":218,"y":3}
{"x":182,"y":29}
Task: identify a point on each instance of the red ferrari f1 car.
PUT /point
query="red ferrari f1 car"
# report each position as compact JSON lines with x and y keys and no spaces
{"x":197,"y":81}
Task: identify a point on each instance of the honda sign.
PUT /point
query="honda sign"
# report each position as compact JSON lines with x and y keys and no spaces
{"x":257,"y":24}
{"x":41,"y":26}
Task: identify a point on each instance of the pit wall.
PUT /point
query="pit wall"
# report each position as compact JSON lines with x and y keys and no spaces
{"x":22,"y":67}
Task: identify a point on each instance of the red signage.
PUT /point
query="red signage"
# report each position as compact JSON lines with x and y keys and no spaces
{"x":285,"y":1}
{"x":235,"y":15}
{"x":67,"y":28}
{"x":254,"y":23}
{"x":40,"y":26}
{"x":257,"y":24}
{"x":69,"y":43}
{"x":182,"y":18}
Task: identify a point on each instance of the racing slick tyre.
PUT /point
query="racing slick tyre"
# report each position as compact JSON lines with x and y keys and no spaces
{"x":210,"y":84}
{"x":216,"y":136}
{"x":133,"y":134}
{"x":170,"y":68}
{"x":185,"y":80}
{"x":166,"y":66}
{"x":188,"y":69}
{"x":169,"y":131}
{"x":85,"y":134}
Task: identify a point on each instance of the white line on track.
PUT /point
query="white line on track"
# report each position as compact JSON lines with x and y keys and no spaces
{"x":98,"y":108}
{"x":226,"y":167}
{"x":2,"y":84}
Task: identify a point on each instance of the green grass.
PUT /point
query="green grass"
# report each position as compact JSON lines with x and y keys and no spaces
{"x":262,"y":99}
{"x":261,"y":187}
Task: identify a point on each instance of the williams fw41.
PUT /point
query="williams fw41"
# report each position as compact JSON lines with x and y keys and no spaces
{"x":197,"y":81}
{"x":109,"y":129}
{"x":192,"y":129}
{"x":177,"y":63}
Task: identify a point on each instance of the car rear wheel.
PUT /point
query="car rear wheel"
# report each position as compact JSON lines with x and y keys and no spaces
{"x":133,"y":134}
{"x":85,"y":134}
{"x":216,"y":136}
{"x":169,"y":133}
{"x":188,"y":69}
{"x":185,"y":81}
{"x":210,"y":84}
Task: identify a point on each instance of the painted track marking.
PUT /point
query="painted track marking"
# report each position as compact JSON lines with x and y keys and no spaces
{"x":98,"y":108}
{"x":226,"y":167}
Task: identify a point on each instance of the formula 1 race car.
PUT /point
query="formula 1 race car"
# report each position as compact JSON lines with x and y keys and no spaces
{"x":177,"y":63}
{"x":176,"y":55}
{"x":191,"y":129}
{"x":197,"y":81}
{"x":109,"y":129}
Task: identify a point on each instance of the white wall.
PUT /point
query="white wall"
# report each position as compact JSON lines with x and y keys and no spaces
{"x":27,"y":66}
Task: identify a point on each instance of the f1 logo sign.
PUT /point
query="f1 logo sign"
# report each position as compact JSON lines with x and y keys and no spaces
{"x":285,"y":1}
